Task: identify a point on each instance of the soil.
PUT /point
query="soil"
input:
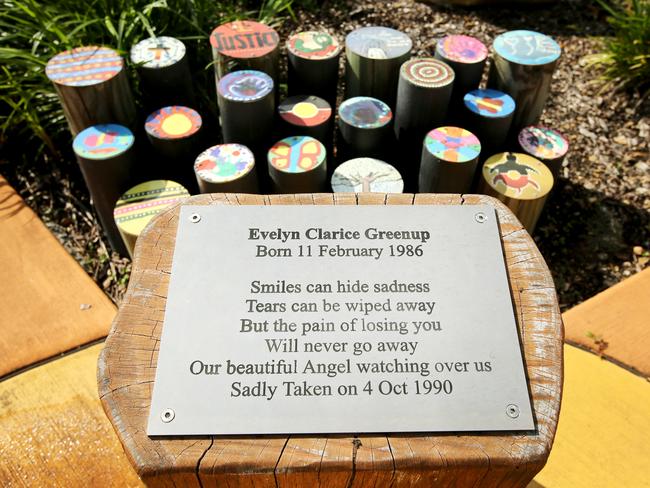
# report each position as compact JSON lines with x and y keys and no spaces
{"x":595,"y":230}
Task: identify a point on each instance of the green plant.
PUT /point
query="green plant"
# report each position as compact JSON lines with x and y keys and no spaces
{"x":626,"y":56}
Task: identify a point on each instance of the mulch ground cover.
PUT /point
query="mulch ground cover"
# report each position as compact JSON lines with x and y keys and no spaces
{"x":595,"y":230}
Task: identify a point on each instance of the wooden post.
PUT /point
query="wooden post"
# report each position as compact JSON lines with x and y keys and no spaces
{"x":522,"y":67}
{"x":247,"y":105}
{"x":298,"y":164}
{"x":174,"y":133}
{"x":107,"y":161}
{"x":524,"y":193}
{"x":313,"y":66}
{"x":93,"y":87}
{"x":364,"y":175}
{"x":245,"y":45}
{"x":138,"y":205}
{"x":373,"y":59}
{"x":545,"y":144}
{"x":227,"y":168}
{"x":306,"y":115}
{"x":364,"y":125}
{"x":165,"y":77}
{"x":449,"y":159}
{"x":466,"y":55}
{"x":126,"y":374}
{"x":423,"y":95}
{"x":488,"y":114}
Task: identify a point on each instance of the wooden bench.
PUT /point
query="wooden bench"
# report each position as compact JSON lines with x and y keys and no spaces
{"x":128,"y":363}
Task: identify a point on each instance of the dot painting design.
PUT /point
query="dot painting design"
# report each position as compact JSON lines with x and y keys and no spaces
{"x":313,"y":45}
{"x":452,"y":144}
{"x":158,"y":52}
{"x":527,"y":47}
{"x":517,"y":175}
{"x":305,"y":111}
{"x":462,"y":49}
{"x":174,"y":122}
{"x":140,"y":204}
{"x":366,"y":175}
{"x":103,"y":141}
{"x":245,"y":85}
{"x":296,"y":154}
{"x":244,"y":39}
{"x":365,"y":112}
{"x":84,"y":66}
{"x":378,"y":42}
{"x":224,"y":162}
{"x":543,"y":143}
{"x":489,"y":103}
{"x":427,"y":72}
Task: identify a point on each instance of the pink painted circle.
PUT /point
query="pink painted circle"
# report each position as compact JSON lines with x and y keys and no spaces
{"x":462,"y":49}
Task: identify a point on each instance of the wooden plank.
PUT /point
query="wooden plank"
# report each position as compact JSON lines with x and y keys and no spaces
{"x":49,"y":304}
{"x":53,"y":431}
{"x":127,"y":369}
{"x":619,"y":316}
{"x":603,"y":438}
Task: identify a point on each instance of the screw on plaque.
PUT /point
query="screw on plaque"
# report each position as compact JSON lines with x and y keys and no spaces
{"x":167,"y":415}
{"x":480,"y":217}
{"x":194,"y":218}
{"x":512,"y":411}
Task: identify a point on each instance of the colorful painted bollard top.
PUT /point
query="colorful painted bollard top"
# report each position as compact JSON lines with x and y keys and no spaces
{"x":175,"y":122}
{"x":297,"y":154}
{"x":489,"y":103}
{"x":527,"y":47}
{"x":103,"y":141}
{"x":366,"y":175}
{"x":244,"y":39}
{"x":365,"y":112}
{"x":427,"y":72}
{"x":305,"y":111}
{"x":140,"y":204}
{"x":453,"y":144}
{"x":157,"y":52}
{"x":313,"y":45}
{"x":245,"y":85}
{"x":517,"y":175}
{"x":462,"y":49}
{"x":84,"y":66}
{"x":543,"y":143}
{"x":378,"y":42}
{"x":224,"y":162}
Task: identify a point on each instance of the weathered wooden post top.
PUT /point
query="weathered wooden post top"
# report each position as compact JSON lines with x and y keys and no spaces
{"x":341,"y":339}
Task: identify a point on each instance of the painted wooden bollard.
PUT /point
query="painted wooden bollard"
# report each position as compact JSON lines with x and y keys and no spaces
{"x":226,"y":168}
{"x":545,"y":144}
{"x":174,"y":133}
{"x":93,"y":87}
{"x":306,"y":115}
{"x":523,"y":66}
{"x":488,"y":114}
{"x":313,"y":66}
{"x":374,"y":56}
{"x":449,"y":160}
{"x":466,"y":55}
{"x":245,"y":45}
{"x":138,"y":205}
{"x":107,"y":161}
{"x":247,"y":105}
{"x":521,"y":182}
{"x":298,"y":164}
{"x":362,"y":175}
{"x":364,"y":125}
{"x":164,"y":71}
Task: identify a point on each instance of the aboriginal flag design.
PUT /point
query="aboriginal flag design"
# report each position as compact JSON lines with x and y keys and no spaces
{"x":305,"y":111}
{"x":84,"y":66}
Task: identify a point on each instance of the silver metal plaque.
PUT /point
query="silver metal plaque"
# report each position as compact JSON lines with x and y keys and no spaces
{"x":350,"y":319}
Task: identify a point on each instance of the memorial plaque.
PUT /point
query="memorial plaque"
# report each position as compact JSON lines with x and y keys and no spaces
{"x":315,"y":320}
